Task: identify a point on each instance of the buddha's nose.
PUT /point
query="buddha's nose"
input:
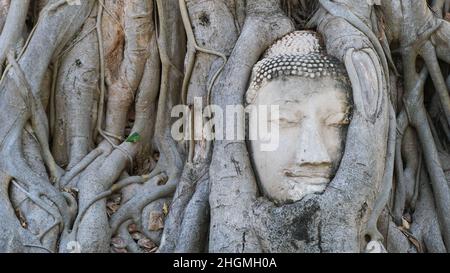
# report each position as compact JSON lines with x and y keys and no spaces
{"x":311,"y":149}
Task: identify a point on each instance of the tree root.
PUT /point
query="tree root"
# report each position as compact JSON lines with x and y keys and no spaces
{"x":418,"y":118}
{"x":428,"y":53}
{"x":192,"y":49}
{"x":121,"y":93}
{"x":38,"y":247}
{"x":125,"y":235}
{"x":76,"y":82}
{"x":15,"y":22}
{"x":36,"y":187}
{"x":192,"y":175}
{"x":340,"y":11}
{"x":115,"y":188}
{"x":192,"y":44}
{"x":38,"y":120}
{"x":386,"y":187}
{"x":400,"y":191}
{"x":194,"y":228}
{"x":150,"y":192}
{"x":80,"y":167}
{"x":104,"y":171}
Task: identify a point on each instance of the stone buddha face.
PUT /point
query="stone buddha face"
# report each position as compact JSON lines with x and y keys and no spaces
{"x":314,"y":110}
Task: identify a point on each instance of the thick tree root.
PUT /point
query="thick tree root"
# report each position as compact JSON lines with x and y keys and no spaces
{"x":150,"y":192}
{"x":192,"y":175}
{"x":386,"y":187}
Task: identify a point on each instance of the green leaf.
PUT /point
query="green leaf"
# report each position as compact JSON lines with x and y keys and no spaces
{"x":133,"y":138}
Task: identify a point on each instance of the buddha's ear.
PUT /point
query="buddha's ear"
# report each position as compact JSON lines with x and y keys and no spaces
{"x":364,"y":71}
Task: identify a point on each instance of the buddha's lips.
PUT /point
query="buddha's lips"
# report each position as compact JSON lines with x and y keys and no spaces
{"x":308,"y":173}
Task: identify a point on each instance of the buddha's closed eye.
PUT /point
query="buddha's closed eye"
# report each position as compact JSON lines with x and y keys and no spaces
{"x":337,"y":119}
{"x":334,"y":120}
{"x":286,"y":121}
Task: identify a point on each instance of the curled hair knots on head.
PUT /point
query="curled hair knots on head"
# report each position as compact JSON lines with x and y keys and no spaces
{"x":299,"y":53}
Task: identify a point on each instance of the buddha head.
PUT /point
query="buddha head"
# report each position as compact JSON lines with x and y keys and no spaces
{"x":313,"y":95}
